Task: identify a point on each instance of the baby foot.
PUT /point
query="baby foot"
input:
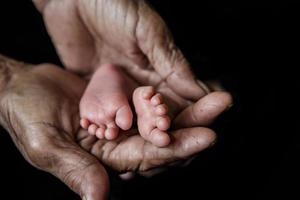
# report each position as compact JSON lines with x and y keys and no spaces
{"x":104,"y":107}
{"x":151,"y":116}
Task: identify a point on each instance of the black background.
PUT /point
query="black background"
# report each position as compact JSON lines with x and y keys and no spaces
{"x":251,"y":46}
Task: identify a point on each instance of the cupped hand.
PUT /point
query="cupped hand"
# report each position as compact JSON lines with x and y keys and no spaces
{"x":39,"y":107}
{"x":128,"y":33}
{"x":131,"y":153}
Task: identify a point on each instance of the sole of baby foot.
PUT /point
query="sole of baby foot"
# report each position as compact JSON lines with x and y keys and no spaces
{"x":104,"y":106}
{"x":153,"y":121}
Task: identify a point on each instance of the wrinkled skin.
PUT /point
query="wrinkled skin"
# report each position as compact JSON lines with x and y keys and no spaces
{"x":39,"y":107}
{"x":127,"y":33}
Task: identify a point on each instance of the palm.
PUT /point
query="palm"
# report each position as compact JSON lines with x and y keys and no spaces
{"x":40,"y":110}
{"x":41,"y":104}
{"x":130,"y":152}
{"x":51,"y":99}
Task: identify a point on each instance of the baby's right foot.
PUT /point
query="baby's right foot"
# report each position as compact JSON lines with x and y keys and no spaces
{"x":152,"y":116}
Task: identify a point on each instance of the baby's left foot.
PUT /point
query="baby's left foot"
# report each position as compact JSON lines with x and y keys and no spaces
{"x":152,"y":118}
{"x":104,"y":106}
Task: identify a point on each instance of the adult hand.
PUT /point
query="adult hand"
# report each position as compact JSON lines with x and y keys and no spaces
{"x":128,"y":33}
{"x":131,"y":153}
{"x":39,"y":107}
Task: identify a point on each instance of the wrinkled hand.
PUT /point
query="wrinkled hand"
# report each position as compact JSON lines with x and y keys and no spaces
{"x":40,"y":110}
{"x":128,"y":33}
{"x":131,"y":153}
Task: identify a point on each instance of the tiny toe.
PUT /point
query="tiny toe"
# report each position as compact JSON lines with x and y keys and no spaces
{"x":148,"y":92}
{"x":161,"y":109}
{"x":84,"y":123}
{"x":92,"y":129}
{"x":124,"y":118}
{"x":157,"y":99}
{"x":159,"y":138}
{"x":111,"y":133}
{"x":163,"y":123}
{"x":100,"y":133}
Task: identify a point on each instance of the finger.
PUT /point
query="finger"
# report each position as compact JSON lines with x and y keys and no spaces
{"x":152,"y":172}
{"x":80,"y":171}
{"x":135,"y":154}
{"x":155,"y":171}
{"x":73,"y":42}
{"x":177,"y":163}
{"x":157,"y":44}
{"x":186,"y":143}
{"x":190,"y":141}
{"x":205,"y":111}
{"x":187,"y":162}
{"x":127,"y":176}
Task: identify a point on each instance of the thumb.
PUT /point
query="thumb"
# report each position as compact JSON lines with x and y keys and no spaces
{"x":81,"y":172}
{"x":157,"y":44}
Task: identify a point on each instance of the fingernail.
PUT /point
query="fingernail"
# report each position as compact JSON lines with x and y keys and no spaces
{"x":84,"y":198}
